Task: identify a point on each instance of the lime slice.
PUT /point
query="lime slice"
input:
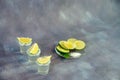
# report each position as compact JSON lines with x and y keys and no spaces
{"x":34,"y":49}
{"x":62,"y":54}
{"x":61,"y":43}
{"x":44,"y":60}
{"x":79,"y":44}
{"x":69,"y":45}
{"x":24,"y":40}
{"x":62,"y":50}
{"x":72,"y":40}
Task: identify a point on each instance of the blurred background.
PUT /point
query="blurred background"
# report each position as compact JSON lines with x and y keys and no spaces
{"x":97,"y":22}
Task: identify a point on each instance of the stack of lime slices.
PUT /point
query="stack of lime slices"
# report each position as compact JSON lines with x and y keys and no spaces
{"x":34,"y":49}
{"x":24,"y":40}
{"x":43,"y":60}
{"x":64,"y":48}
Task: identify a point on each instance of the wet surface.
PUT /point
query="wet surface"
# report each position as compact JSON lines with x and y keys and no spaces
{"x":97,"y":22}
